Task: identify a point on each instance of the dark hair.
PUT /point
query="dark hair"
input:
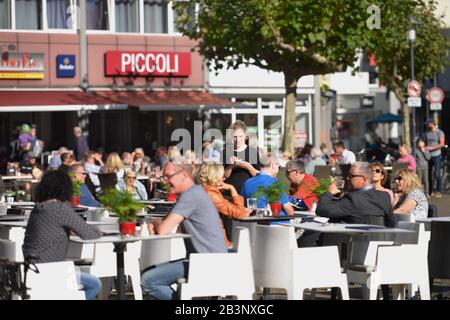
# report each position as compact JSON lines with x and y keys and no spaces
{"x":55,"y":184}
{"x":339,"y":144}
{"x":65,"y":155}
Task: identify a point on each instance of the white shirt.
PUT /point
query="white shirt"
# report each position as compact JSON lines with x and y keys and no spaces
{"x":347,"y":157}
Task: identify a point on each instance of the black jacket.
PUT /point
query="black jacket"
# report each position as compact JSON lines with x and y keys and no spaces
{"x":369,"y":207}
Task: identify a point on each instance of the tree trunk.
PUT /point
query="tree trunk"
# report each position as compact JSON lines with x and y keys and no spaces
{"x":290,"y":83}
{"x":405,"y":111}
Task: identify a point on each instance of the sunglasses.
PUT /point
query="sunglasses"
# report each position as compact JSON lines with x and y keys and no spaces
{"x":351,"y":176}
{"x":376,"y":170}
{"x":398,"y":178}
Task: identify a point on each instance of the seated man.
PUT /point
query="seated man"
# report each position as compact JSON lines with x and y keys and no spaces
{"x":267,"y":176}
{"x":197,"y":215}
{"x":302,"y":184}
{"x":77,"y":173}
{"x":362,"y":205}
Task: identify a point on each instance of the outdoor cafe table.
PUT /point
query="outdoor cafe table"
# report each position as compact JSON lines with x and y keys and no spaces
{"x":120,"y":246}
{"x":19,"y":177}
{"x":347,"y":229}
{"x":429,"y":220}
{"x":153,"y":202}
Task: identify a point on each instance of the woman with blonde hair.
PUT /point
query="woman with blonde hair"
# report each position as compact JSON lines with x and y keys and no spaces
{"x":132,"y":185}
{"x":379,"y":177}
{"x":409,"y":197}
{"x":211,"y":176}
{"x":114,"y":165}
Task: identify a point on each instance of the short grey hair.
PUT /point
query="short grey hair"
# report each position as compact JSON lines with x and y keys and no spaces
{"x":296,"y":164}
{"x":267,"y":160}
{"x":73,"y":168}
{"x":179,"y":164}
{"x":363,"y":168}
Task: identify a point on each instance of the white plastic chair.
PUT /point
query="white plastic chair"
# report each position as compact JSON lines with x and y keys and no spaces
{"x":399,"y":265}
{"x":279,"y":263}
{"x":104,"y":264}
{"x":154,"y":252}
{"x":55,"y":281}
{"x":221,"y":274}
{"x":8,"y":250}
{"x":15,"y":235}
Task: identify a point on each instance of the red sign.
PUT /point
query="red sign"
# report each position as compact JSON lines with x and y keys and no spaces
{"x":142,"y":64}
{"x":414,"y":89}
{"x":435,"y":95}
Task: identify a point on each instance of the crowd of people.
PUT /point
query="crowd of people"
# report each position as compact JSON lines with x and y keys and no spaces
{"x":216,"y":188}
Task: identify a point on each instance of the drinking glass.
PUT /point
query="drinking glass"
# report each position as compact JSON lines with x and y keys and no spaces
{"x":252,"y":203}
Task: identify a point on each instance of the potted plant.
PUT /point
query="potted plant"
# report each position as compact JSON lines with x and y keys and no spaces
{"x":76,"y":193}
{"x":126,"y":208}
{"x":273,"y":194}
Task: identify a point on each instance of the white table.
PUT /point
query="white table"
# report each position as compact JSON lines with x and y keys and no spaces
{"x":12,"y":217}
{"x":24,"y":222}
{"x":20,"y":177}
{"x":120,"y":246}
{"x":346,"y":228}
{"x":429,"y":220}
{"x":20,"y":203}
{"x":156,"y":202}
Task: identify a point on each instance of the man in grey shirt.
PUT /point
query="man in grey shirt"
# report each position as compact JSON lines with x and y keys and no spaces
{"x":198,"y":216}
{"x":435,"y":140}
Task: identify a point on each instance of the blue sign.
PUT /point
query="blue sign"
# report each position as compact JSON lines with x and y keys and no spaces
{"x":65,"y":66}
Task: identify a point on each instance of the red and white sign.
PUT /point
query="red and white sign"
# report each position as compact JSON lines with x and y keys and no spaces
{"x":414,"y":89}
{"x":142,"y":64}
{"x":435,"y":95}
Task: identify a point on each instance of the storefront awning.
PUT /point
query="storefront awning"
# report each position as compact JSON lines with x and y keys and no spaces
{"x":35,"y":101}
{"x":167,"y":100}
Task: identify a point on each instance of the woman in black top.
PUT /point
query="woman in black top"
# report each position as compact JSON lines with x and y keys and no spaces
{"x":240,"y":160}
{"x":51,"y":221}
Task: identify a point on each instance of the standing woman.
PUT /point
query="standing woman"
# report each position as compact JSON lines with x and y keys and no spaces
{"x":409,"y":197}
{"x":240,"y":160}
{"x":422,"y":157}
{"x":50,"y":224}
{"x":211,"y":176}
{"x":114,"y":165}
{"x":379,"y":177}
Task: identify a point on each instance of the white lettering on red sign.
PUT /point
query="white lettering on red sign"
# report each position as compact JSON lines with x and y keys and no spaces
{"x":147,"y":63}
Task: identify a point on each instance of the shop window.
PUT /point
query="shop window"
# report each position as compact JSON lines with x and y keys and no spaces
{"x":127,"y":15}
{"x":155,"y":16}
{"x":29,"y":14}
{"x":5,"y":14}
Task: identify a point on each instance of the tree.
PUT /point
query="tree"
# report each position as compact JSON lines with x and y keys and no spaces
{"x":390,"y":47}
{"x":295,"y":37}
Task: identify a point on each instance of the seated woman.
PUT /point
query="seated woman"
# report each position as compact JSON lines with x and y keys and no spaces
{"x":50,"y":224}
{"x":378,"y":178}
{"x":409,"y":197}
{"x":211,"y":176}
{"x":405,"y":156}
{"x":131,"y":184}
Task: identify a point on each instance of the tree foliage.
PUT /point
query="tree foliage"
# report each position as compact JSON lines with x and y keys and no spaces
{"x":391,"y":48}
{"x":304,"y":37}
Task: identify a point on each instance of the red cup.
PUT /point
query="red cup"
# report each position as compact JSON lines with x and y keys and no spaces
{"x":276,"y":209}
{"x":127,"y":228}
{"x":171,"y":197}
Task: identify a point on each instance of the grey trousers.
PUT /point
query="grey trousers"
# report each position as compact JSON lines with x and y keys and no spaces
{"x":422,"y":173}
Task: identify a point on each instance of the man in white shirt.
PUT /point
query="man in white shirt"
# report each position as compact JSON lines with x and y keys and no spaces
{"x":345,"y":156}
{"x":91,"y":168}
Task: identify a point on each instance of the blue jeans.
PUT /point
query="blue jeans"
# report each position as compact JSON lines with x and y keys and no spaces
{"x":157,"y":280}
{"x":436,"y":163}
{"x":91,"y":284}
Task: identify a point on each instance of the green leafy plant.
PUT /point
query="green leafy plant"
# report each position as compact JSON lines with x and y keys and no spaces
{"x":272,"y":193}
{"x":76,"y":188}
{"x":121,"y":203}
{"x":322,"y":186}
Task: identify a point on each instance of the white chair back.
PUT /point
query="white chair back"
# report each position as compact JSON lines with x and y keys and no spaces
{"x":8,"y":250}
{"x":55,"y":281}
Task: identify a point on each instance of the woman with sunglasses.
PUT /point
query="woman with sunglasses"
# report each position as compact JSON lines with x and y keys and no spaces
{"x":409,"y":197}
{"x":379,"y":177}
{"x":131,"y":184}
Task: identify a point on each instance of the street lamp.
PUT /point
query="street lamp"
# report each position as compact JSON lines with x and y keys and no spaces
{"x":411,"y":40}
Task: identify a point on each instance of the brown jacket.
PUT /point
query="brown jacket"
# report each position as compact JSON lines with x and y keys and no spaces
{"x":234,"y":209}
